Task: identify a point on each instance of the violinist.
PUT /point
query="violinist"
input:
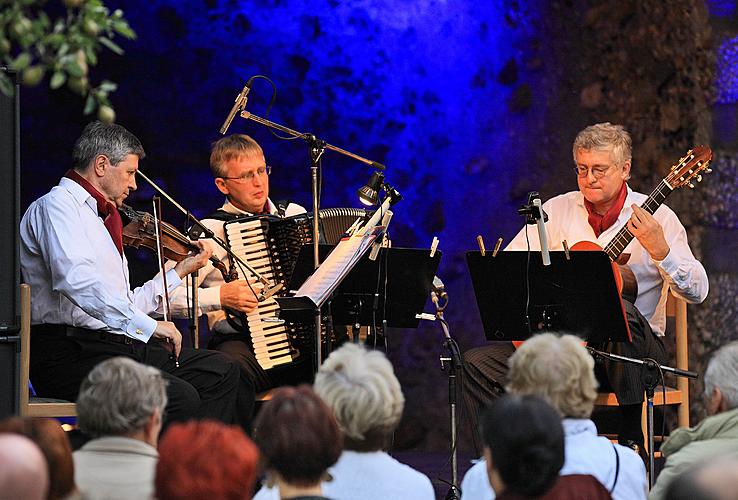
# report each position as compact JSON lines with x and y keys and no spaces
{"x":83,"y":310}
{"x":659,"y":256}
{"x":241,"y":173}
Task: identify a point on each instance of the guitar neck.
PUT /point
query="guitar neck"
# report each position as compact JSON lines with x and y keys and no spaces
{"x":624,"y":236}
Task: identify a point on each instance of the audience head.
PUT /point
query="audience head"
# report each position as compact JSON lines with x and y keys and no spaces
{"x":54,"y":444}
{"x":23,"y":470}
{"x":298,"y":436}
{"x":108,"y":139}
{"x":121,"y":397}
{"x":204,"y":460}
{"x":523,"y":444}
{"x":715,"y":479}
{"x":558,"y":369}
{"x":721,"y":390}
{"x":361,"y":388}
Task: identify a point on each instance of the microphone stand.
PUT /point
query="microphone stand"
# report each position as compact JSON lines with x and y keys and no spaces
{"x":453,"y":361}
{"x":650,"y":369}
{"x":316,"y":147}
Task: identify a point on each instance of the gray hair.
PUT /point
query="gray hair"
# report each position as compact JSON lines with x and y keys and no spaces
{"x":605,"y":137}
{"x":361,"y":388}
{"x":558,"y":369}
{"x":230,"y":147}
{"x":119,"y":396}
{"x":722,"y":373}
{"x":108,"y":139}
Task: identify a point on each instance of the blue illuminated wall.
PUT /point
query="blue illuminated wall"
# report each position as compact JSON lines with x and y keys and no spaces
{"x":451,"y":96}
{"x":470,"y":104}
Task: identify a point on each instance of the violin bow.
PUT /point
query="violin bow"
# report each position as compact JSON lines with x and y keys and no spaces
{"x":156,"y":201}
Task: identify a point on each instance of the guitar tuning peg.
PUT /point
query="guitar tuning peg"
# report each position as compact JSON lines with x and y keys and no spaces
{"x":708,"y":170}
{"x":699,"y":178}
{"x":691,"y":186}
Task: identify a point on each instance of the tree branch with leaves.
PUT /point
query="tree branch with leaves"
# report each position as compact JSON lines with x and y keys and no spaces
{"x":35,"y":46}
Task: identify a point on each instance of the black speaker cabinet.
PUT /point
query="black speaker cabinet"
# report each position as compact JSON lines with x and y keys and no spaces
{"x":9,"y":246}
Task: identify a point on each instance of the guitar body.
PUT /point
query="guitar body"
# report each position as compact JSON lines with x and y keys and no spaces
{"x":624,"y":277}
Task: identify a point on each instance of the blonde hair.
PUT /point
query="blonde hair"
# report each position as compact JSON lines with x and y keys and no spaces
{"x":605,"y":137}
{"x":230,"y":147}
{"x":361,"y":388}
{"x":558,"y":369}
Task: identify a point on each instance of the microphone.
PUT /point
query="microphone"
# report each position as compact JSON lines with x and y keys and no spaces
{"x":238,"y":105}
{"x":542,"y":233}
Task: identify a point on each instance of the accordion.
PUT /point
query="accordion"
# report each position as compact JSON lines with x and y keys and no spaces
{"x":271,"y":245}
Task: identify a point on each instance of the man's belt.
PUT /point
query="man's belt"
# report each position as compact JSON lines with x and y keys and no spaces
{"x":51,"y":330}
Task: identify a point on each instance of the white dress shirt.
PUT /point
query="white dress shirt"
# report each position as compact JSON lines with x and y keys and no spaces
{"x":76,"y":273}
{"x":680,"y":271}
{"x":370,"y":475}
{"x":584,"y":453}
{"x":210,"y":279}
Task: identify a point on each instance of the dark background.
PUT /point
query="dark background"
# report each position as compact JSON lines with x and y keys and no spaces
{"x":470,"y":104}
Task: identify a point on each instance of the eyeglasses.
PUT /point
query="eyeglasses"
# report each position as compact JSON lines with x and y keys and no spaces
{"x":249,"y":176}
{"x":598,"y":172}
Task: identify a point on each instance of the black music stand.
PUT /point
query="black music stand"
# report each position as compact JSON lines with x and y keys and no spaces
{"x":576,"y":294}
{"x":389,"y":290}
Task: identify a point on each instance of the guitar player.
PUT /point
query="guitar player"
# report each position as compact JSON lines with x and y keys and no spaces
{"x":658,"y":256}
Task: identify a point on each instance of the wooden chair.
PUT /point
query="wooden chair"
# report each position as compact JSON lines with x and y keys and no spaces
{"x":676,"y":320}
{"x":32,"y":406}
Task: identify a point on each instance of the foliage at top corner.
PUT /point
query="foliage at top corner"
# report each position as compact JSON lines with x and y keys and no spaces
{"x":35,"y":45}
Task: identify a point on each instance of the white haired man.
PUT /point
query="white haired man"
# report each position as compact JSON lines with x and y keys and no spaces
{"x":717,"y":434}
{"x":121,"y":405}
{"x":361,"y":388}
{"x":659,"y":257}
{"x":561,"y":371}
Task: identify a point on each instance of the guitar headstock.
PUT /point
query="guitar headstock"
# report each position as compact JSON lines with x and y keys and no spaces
{"x":690,"y":168}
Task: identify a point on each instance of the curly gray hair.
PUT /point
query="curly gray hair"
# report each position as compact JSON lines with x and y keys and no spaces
{"x":605,"y":137}
{"x":361,"y":388}
{"x":558,"y":369}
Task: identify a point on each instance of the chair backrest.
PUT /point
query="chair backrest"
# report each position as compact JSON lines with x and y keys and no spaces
{"x":29,"y":407}
{"x":676,"y":308}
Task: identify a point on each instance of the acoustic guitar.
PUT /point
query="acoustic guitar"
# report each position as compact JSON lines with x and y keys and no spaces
{"x":686,"y":172}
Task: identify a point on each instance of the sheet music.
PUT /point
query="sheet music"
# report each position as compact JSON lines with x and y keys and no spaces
{"x":336,"y":267}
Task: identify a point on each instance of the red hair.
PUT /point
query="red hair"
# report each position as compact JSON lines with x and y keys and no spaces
{"x":205,"y":460}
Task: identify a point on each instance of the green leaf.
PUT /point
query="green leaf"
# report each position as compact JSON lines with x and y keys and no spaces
{"x":74,"y":69}
{"x":21,"y":62}
{"x":89,"y":104}
{"x":58,"y":79}
{"x":91,"y":56}
{"x":6,"y":86}
{"x":111,"y":45}
{"x":108,"y":86}
{"x":123,"y":29}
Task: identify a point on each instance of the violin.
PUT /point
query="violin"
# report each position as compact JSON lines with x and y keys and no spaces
{"x":141,"y":232}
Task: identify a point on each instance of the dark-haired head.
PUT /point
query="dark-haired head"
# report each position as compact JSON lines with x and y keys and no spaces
{"x":298,"y":436}
{"x":524,"y":444}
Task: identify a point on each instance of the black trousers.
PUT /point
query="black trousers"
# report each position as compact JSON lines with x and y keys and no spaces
{"x":205,"y":385}
{"x":485,"y":372}
{"x":237,"y":348}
